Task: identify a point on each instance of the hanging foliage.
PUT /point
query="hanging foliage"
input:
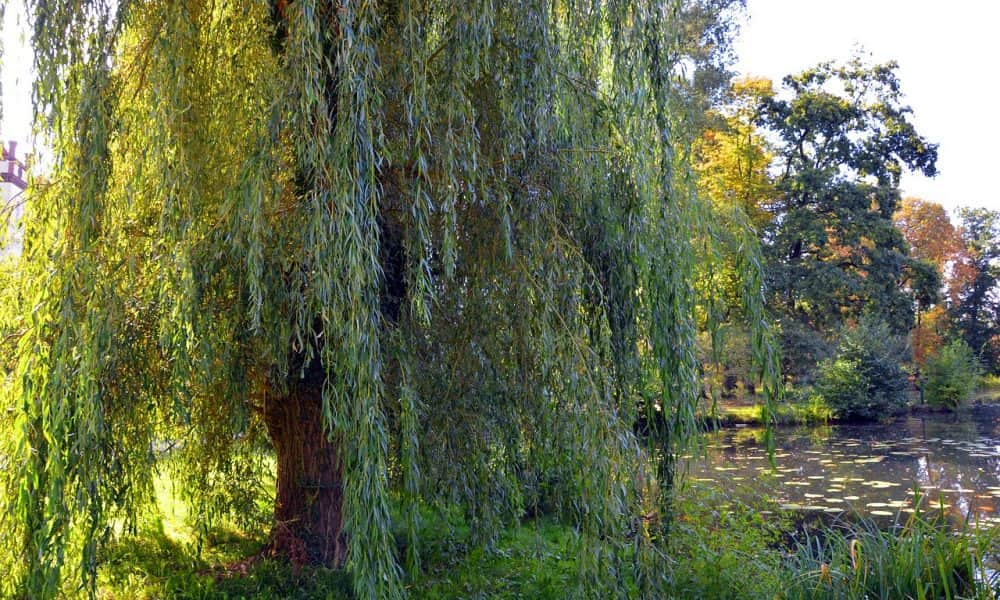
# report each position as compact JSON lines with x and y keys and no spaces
{"x":437,"y":253}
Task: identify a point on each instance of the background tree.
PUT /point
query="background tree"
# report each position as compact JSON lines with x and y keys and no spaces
{"x":843,"y":139}
{"x":429,"y":250}
{"x":933,"y":240}
{"x":731,"y":161}
{"x":732,"y":158}
{"x":977,"y":307}
{"x":705,"y":31}
{"x":928,"y":230}
{"x":863,"y":380}
{"x":952,"y":375}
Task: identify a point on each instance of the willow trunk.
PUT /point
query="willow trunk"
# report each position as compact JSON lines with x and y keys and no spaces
{"x":309,"y":498}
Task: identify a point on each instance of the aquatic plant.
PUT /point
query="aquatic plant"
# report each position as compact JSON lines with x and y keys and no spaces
{"x":921,"y":557}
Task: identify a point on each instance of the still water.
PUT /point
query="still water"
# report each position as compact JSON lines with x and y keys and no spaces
{"x":954,"y":459}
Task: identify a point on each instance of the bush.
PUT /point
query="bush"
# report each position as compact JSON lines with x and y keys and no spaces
{"x":952,"y":375}
{"x":864,"y":380}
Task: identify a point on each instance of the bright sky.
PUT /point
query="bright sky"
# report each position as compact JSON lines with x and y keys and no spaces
{"x":15,"y":77}
{"x":947,"y":54}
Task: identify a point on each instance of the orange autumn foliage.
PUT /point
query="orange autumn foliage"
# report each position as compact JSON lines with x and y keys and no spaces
{"x":930,"y":335}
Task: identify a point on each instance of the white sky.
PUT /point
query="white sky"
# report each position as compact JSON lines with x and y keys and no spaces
{"x":15,"y":77}
{"x":947,"y":53}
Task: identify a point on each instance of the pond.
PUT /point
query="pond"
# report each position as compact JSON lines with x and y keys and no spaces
{"x":954,"y":459}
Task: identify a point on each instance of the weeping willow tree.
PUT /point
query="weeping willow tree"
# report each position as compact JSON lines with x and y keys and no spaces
{"x":424,"y":254}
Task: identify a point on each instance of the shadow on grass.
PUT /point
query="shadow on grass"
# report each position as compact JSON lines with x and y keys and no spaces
{"x":535,"y":560}
{"x":152,"y":565}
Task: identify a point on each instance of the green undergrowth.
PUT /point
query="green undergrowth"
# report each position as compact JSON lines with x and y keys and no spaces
{"x":165,"y":559}
{"x":533,"y":560}
{"x":717,"y":545}
{"x":721,"y":545}
{"x":725,"y":545}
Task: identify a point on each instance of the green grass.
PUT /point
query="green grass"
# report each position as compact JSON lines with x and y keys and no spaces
{"x":797,"y":412}
{"x":721,"y":545}
{"x":534,"y":560}
{"x":800,"y":408}
{"x":154,"y":565}
{"x":716,"y":543}
{"x":989,"y":385}
{"x":165,"y":559}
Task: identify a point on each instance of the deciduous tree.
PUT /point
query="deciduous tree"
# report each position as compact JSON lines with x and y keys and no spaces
{"x":843,"y":140}
{"x":732,"y":158}
{"x":934,"y":241}
{"x":436,"y":251}
{"x":977,"y":311}
{"x":731,"y":162}
{"x":929,"y":231}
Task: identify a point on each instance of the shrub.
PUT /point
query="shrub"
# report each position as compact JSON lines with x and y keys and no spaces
{"x":864,"y":380}
{"x":952,"y":375}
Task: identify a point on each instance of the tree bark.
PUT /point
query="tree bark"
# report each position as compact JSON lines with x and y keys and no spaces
{"x":309,"y":499}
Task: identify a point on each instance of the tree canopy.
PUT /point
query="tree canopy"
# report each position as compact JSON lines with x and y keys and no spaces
{"x":834,"y":254}
{"x":433,"y":253}
{"x":977,"y":300}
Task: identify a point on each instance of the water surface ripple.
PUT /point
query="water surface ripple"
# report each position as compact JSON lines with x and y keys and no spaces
{"x":870,"y":469}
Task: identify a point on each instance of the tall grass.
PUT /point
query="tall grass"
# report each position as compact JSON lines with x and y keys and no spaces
{"x":921,"y":557}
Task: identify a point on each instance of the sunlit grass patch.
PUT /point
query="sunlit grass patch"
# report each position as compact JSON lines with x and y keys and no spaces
{"x":989,"y":387}
{"x":793,"y":412}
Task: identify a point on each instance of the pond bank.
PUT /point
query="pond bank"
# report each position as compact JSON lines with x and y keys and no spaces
{"x":791,"y":413}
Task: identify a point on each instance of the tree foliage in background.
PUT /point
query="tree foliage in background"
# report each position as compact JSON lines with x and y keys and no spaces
{"x":937,"y":247}
{"x":976,"y":304}
{"x":731,"y":161}
{"x":843,"y":138}
{"x":929,"y":232}
{"x":433,"y":251}
{"x":732,"y":158}
{"x":933,"y":330}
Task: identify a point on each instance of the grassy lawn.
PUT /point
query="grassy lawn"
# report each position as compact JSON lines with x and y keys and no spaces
{"x":989,"y":389}
{"x":746,"y":410}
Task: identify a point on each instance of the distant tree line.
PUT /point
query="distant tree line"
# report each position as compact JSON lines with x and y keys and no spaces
{"x":815,"y":167}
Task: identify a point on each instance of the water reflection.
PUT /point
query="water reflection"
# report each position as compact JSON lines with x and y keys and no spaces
{"x":870,"y":469}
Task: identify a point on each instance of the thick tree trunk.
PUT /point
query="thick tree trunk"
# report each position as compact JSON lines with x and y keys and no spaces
{"x":309,"y":499}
